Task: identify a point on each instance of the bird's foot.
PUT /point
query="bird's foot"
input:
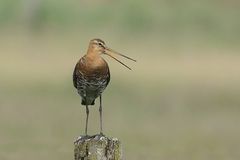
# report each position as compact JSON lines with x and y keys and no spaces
{"x":101,"y":134}
{"x":83,"y":137}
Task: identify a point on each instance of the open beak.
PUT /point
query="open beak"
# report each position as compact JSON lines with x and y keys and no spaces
{"x":110,"y":52}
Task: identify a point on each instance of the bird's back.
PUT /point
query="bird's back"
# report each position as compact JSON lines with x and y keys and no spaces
{"x":90,"y":77}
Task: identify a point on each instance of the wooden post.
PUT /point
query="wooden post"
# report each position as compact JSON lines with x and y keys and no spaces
{"x":97,"y":147}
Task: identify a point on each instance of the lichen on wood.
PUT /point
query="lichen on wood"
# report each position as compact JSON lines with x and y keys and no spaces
{"x":97,"y":147}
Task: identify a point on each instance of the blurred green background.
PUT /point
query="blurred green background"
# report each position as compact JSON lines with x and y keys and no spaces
{"x":181,"y":100}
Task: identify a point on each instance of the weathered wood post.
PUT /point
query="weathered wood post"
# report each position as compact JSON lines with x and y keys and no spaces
{"x":97,"y":147}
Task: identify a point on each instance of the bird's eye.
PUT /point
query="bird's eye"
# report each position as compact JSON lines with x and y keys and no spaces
{"x":100,"y":44}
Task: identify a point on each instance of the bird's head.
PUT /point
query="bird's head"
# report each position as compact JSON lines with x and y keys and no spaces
{"x":98,"y":46}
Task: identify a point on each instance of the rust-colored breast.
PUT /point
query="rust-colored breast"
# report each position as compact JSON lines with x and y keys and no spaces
{"x":90,"y":70}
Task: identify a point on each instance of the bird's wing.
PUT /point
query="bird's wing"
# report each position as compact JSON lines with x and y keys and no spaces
{"x":108,"y":76}
{"x":77,"y":73}
{"x":75,"y":76}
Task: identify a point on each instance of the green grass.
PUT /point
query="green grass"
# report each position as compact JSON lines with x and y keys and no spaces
{"x":173,"y":105}
{"x":207,"y":21}
{"x":181,"y":101}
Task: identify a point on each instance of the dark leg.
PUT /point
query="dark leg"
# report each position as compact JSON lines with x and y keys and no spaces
{"x":100,"y":111}
{"x":86,"y":126}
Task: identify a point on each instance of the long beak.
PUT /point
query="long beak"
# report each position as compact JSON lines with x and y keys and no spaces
{"x":110,"y":52}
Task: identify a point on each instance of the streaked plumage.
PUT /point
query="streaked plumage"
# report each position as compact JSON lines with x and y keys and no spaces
{"x":90,"y":78}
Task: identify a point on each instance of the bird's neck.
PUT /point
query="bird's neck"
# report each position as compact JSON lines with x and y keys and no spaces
{"x":94,"y":60}
{"x":92,"y":53}
{"x":93,"y":57}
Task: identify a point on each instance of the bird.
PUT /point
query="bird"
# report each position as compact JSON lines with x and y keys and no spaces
{"x":91,"y":75}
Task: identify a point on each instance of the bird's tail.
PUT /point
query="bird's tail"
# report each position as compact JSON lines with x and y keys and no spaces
{"x":84,"y":102}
